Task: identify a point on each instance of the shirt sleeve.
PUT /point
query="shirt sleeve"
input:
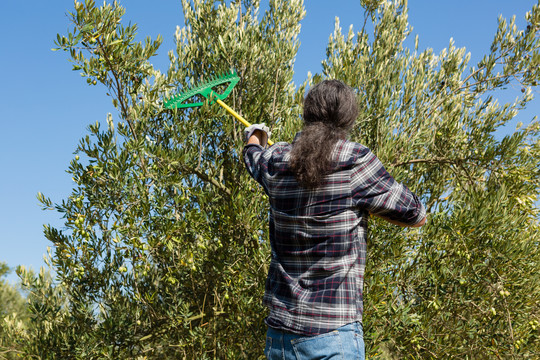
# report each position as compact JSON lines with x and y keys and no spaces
{"x":376,"y":191}
{"x":254,"y":161}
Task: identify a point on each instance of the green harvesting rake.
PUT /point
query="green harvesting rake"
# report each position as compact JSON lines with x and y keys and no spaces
{"x":206,"y":89}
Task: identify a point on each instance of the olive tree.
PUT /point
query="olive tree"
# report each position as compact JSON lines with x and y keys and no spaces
{"x":13,"y":313}
{"x":164,"y":249}
{"x":466,"y":285}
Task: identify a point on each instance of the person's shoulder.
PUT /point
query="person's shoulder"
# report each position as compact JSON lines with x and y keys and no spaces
{"x":351,"y":151}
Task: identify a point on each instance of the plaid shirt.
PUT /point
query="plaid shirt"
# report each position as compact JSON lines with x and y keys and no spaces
{"x":318,"y":237}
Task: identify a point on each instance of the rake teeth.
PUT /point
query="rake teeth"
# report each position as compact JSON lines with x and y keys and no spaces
{"x":204,"y":89}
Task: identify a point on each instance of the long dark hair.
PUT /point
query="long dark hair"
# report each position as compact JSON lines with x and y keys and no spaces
{"x":330,"y":111}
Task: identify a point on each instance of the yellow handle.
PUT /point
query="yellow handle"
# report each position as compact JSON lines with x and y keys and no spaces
{"x":238,"y":117}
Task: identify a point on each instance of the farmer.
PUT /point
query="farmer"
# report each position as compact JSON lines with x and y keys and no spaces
{"x":322,"y":189}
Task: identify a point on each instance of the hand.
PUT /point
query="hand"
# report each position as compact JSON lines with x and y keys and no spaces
{"x":259,"y":138}
{"x":254,"y":129}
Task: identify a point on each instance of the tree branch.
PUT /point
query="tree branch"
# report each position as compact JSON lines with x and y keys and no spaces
{"x":204,"y":177}
{"x":435,"y":160}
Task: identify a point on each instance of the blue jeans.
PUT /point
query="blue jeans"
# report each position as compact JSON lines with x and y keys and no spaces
{"x":344,"y":343}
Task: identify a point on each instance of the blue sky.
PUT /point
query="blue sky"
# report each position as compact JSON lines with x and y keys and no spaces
{"x":45,"y":107}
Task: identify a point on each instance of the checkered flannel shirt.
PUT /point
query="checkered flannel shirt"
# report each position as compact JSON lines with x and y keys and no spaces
{"x":318,"y":237}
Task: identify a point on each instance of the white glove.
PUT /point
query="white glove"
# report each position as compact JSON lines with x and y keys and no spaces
{"x":251,"y":129}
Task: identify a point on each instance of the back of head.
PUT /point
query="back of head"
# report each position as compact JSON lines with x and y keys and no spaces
{"x":331,"y":103}
{"x":330,"y":111}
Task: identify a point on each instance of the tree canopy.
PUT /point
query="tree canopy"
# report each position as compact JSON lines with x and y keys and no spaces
{"x":164,"y":248}
{"x":13,"y":312}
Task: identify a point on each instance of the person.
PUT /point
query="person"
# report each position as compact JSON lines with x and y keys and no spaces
{"x":321,"y":190}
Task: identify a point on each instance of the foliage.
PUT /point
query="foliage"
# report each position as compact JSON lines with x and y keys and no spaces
{"x":466,"y":285}
{"x":164,"y":249}
{"x":13,"y":313}
{"x":11,"y":300}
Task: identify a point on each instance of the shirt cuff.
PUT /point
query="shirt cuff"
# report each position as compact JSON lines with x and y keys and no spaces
{"x":421,"y":214}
